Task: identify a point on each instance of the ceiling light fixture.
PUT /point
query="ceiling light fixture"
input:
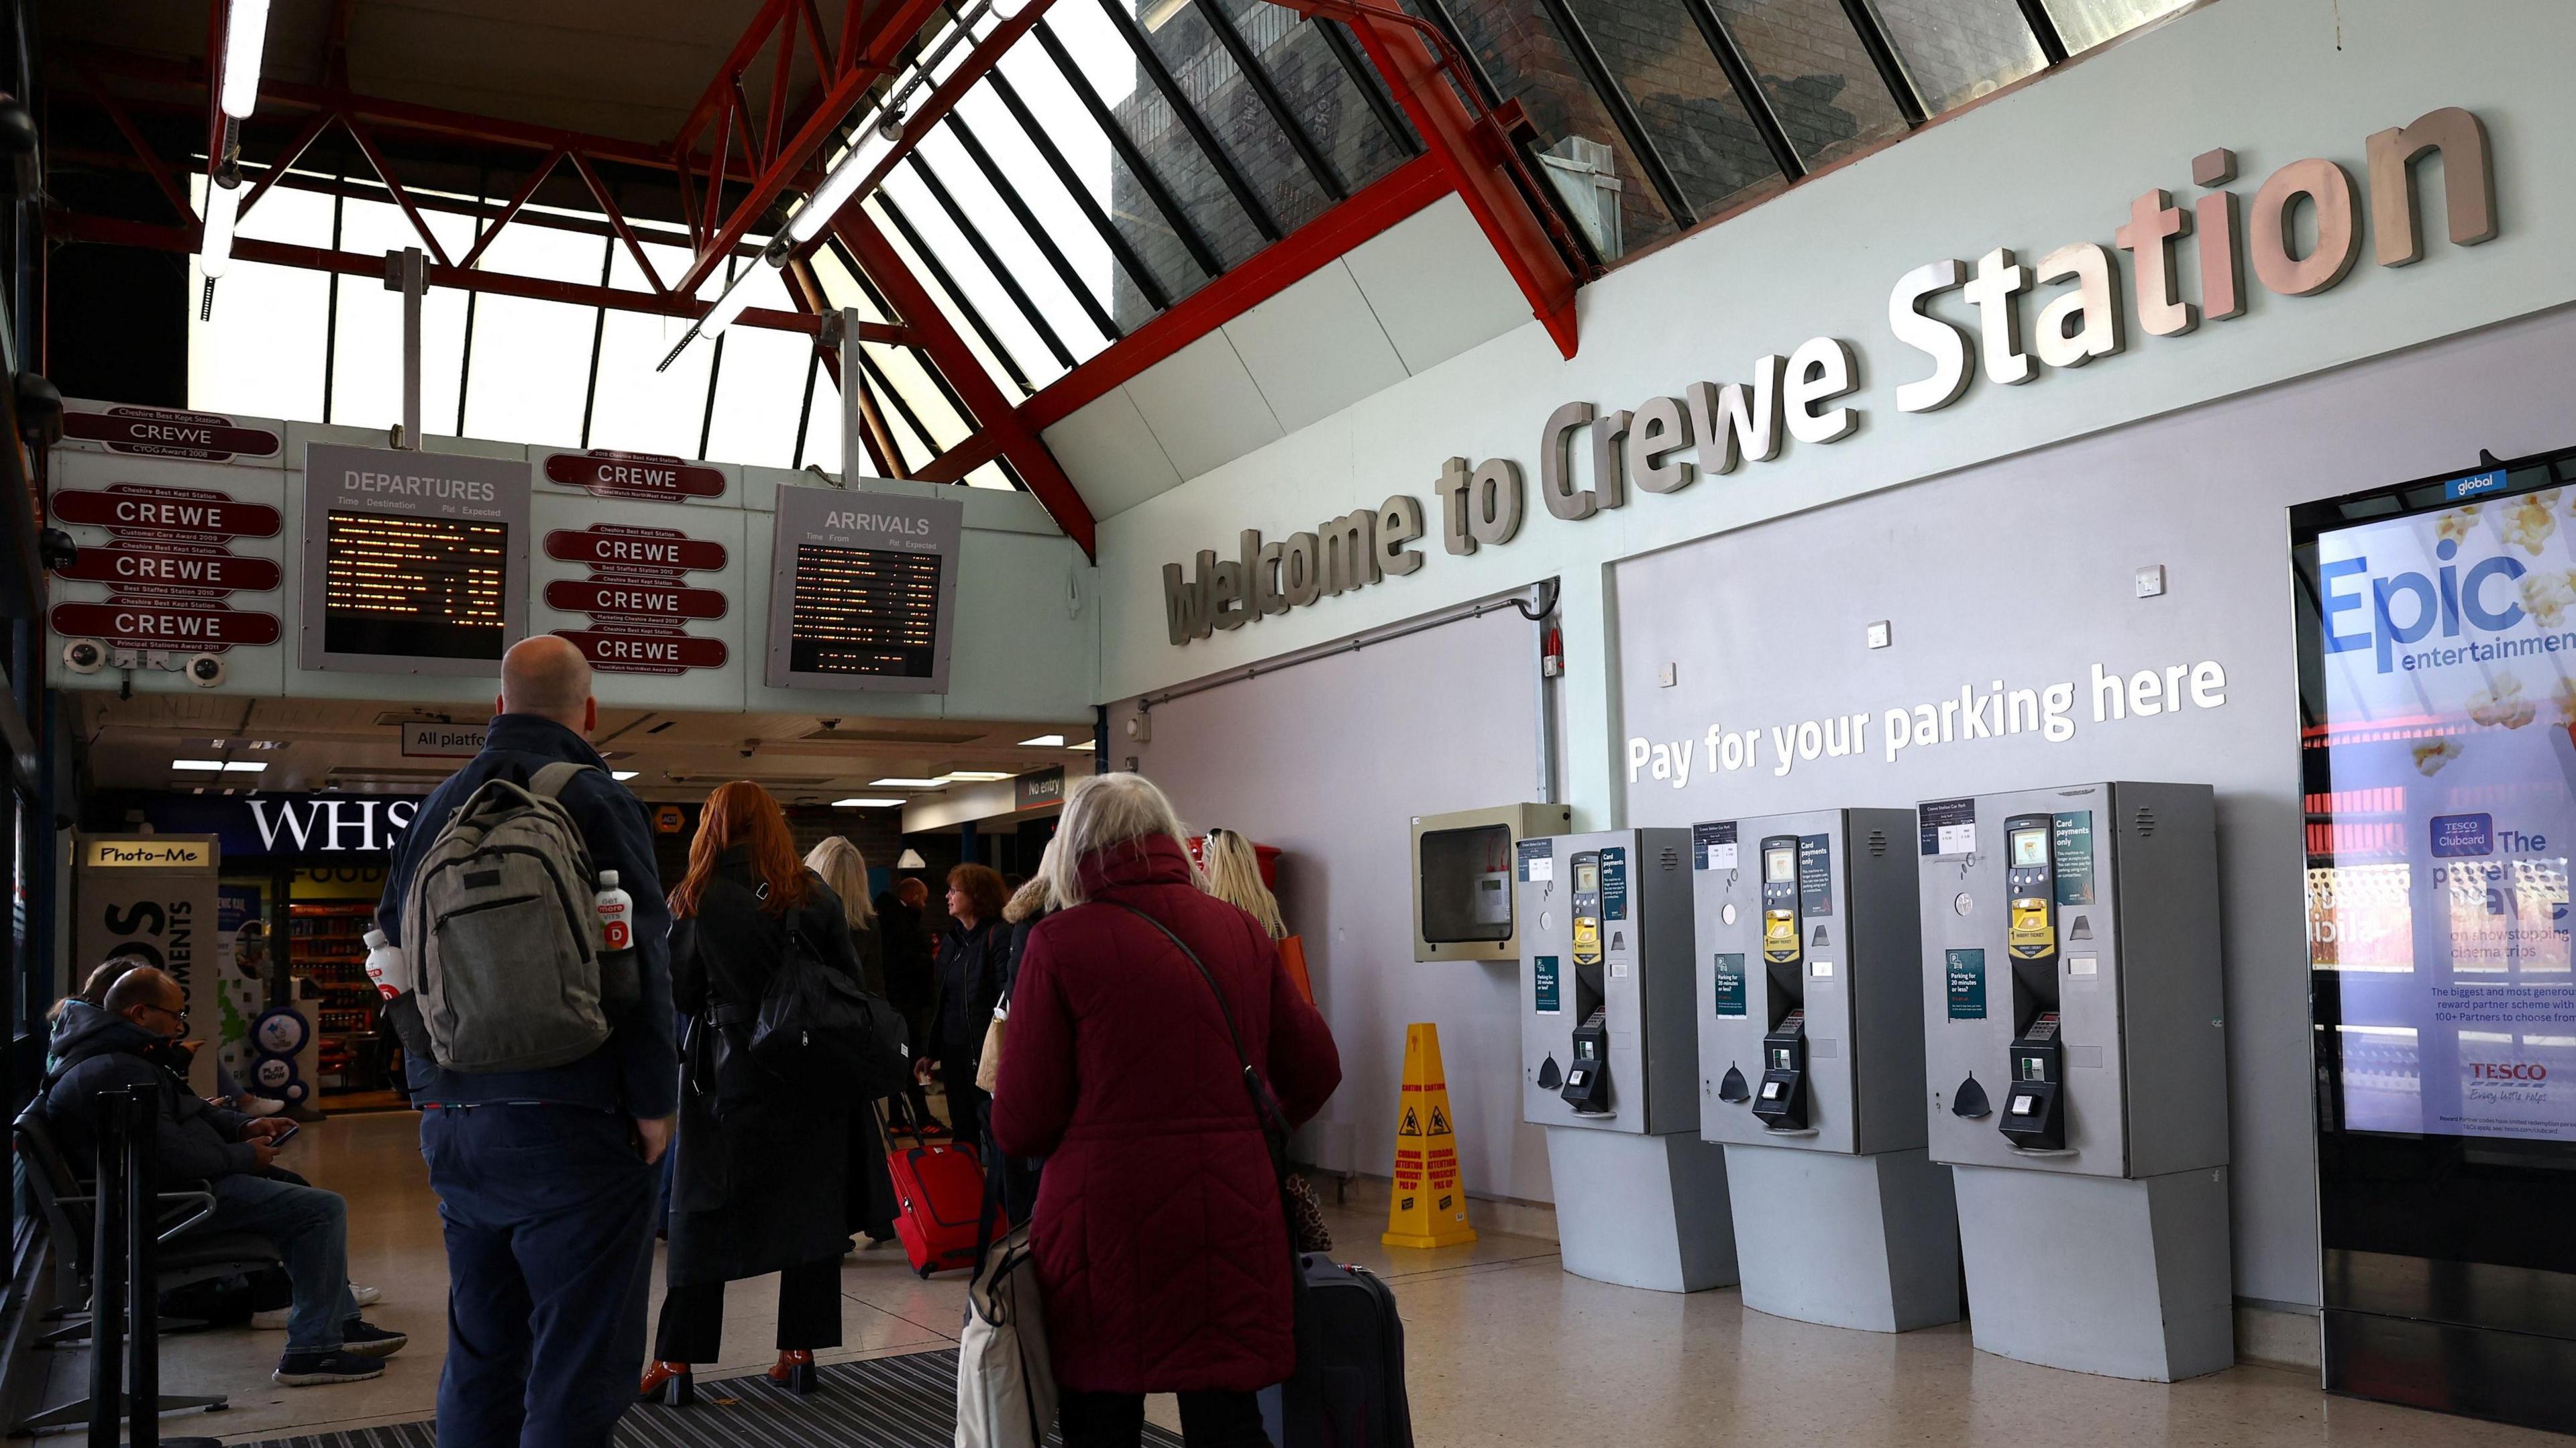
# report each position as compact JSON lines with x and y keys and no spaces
{"x":1084,"y":746}
{"x":865,"y":803}
{"x":623,"y":775}
{"x":210,"y":766}
{"x":974,"y":776}
{"x":1044,"y":741}
{"x":903,"y":784}
{"x":245,"y":36}
{"x":245,"y":766}
{"x":874,"y":139}
{"x":223,"y":208}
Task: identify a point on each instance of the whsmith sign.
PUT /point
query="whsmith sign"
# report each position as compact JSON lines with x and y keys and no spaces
{"x":259,"y":826}
{"x":1726,"y":424}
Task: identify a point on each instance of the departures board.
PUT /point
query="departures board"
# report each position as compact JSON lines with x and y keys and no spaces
{"x":863,"y":590}
{"x":414,"y":562}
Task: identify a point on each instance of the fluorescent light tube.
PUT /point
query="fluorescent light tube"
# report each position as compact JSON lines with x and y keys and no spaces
{"x":865,"y":803}
{"x":211,"y":766}
{"x":1044,"y":741}
{"x":903,"y":784}
{"x":223,"y":206}
{"x":623,"y":775}
{"x":974,"y":776}
{"x":244,"y":766}
{"x":730,"y":305}
{"x":245,"y":35}
{"x":876,"y":138}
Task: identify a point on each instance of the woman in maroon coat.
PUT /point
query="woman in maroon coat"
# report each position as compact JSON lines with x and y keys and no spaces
{"x":1159,"y":1240}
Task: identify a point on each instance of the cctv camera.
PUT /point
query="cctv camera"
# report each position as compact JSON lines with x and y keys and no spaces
{"x":84,"y":656}
{"x":206,"y":671}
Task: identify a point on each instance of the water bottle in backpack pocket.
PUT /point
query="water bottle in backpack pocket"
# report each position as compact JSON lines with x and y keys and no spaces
{"x":503,"y":932}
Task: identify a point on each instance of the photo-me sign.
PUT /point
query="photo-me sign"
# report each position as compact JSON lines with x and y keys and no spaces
{"x":1590,"y":458}
{"x":160,"y":432}
{"x":169,"y":569}
{"x":414,"y":563}
{"x":863,"y":590}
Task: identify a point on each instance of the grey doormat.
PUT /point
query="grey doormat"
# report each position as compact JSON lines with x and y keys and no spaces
{"x":896,"y":1402}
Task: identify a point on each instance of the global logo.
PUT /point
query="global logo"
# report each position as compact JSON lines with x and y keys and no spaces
{"x":2507,"y":1071}
{"x":2406,"y":608}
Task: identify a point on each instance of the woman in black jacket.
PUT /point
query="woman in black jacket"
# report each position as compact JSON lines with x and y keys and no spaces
{"x":968,"y":972}
{"x":761,"y":1170}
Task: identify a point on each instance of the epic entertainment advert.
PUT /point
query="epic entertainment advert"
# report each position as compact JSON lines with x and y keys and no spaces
{"x":2438,"y":852}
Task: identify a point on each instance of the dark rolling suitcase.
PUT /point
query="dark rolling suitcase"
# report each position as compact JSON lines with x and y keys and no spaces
{"x":1349,"y":1388}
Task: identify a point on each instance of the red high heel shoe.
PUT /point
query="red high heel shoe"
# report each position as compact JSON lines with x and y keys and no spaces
{"x":794,"y":1371}
{"x":668,"y":1383}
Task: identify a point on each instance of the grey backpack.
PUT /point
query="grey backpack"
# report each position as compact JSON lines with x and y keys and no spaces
{"x":503,"y":932}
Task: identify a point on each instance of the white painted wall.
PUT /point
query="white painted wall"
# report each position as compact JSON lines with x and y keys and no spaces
{"x":2055,"y":162}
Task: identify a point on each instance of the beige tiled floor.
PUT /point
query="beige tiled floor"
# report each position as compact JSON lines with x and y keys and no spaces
{"x":1502,"y":1348}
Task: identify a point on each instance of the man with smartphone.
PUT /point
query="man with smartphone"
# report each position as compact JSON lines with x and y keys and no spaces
{"x":112,"y":1046}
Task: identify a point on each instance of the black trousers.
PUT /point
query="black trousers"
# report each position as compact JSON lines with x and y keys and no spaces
{"x":1117,"y":1420}
{"x":809,"y":1314}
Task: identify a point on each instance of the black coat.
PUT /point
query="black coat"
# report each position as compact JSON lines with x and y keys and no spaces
{"x":969,"y":972}
{"x":761,"y":1177}
{"x":907,"y":955}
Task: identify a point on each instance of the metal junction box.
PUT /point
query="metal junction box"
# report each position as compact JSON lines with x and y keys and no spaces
{"x":2072,"y":997}
{"x":1463,"y":903}
{"x":1809,"y":981}
{"x":1606,"y":1033}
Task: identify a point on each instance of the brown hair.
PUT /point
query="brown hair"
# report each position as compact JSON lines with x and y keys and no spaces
{"x":984,"y":890}
{"x":742,"y":813}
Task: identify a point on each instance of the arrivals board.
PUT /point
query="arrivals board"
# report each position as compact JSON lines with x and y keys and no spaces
{"x":863,"y":590}
{"x":414,"y":562}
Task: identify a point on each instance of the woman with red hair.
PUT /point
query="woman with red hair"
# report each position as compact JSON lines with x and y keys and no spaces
{"x":759,"y":1169}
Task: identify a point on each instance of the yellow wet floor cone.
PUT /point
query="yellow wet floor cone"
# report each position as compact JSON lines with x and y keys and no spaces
{"x":1429,"y":1208}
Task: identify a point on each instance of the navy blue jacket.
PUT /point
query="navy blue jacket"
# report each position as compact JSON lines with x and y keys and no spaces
{"x":637,"y":1072}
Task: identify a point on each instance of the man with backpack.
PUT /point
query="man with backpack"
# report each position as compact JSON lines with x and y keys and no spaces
{"x":541,"y":1055}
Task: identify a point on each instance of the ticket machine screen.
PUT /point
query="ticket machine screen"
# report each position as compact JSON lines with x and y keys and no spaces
{"x":2029,"y":847}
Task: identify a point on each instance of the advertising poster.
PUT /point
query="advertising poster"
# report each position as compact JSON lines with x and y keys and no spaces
{"x":2439,"y":825}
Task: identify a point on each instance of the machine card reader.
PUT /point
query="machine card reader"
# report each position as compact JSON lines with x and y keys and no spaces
{"x":1780,"y":925}
{"x":1587,"y":1081}
{"x":2030,"y":883}
{"x":2034,"y":1114}
{"x":1781,"y":1100}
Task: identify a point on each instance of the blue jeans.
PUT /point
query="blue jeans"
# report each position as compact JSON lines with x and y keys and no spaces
{"x":549,"y":1217}
{"x":311,"y":1230}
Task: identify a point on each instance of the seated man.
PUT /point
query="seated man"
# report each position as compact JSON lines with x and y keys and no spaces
{"x":113,"y":1046}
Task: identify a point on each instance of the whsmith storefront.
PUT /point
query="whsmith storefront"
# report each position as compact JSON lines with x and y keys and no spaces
{"x":2199,"y":414}
{"x":296,"y":880}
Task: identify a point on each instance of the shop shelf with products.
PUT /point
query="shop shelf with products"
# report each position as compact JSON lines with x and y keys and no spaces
{"x":330,"y":954}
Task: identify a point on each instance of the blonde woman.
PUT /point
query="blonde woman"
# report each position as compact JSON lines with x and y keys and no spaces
{"x":870,"y":1206}
{"x":1233,"y":874}
{"x":846,"y":871}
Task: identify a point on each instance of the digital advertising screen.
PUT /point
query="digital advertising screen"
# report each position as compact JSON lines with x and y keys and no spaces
{"x":863,"y":590}
{"x":2438,"y":689}
{"x":414,"y":562}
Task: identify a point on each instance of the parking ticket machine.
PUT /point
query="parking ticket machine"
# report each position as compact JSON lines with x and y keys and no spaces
{"x":1809,"y":1009}
{"x":1610,"y":1062}
{"x":2075,"y":1050}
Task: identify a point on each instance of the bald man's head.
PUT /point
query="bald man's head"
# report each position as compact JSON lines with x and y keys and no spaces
{"x":149,"y":998}
{"x":546,"y":675}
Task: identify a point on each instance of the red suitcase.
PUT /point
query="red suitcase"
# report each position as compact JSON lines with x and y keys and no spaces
{"x":939,"y":1195}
